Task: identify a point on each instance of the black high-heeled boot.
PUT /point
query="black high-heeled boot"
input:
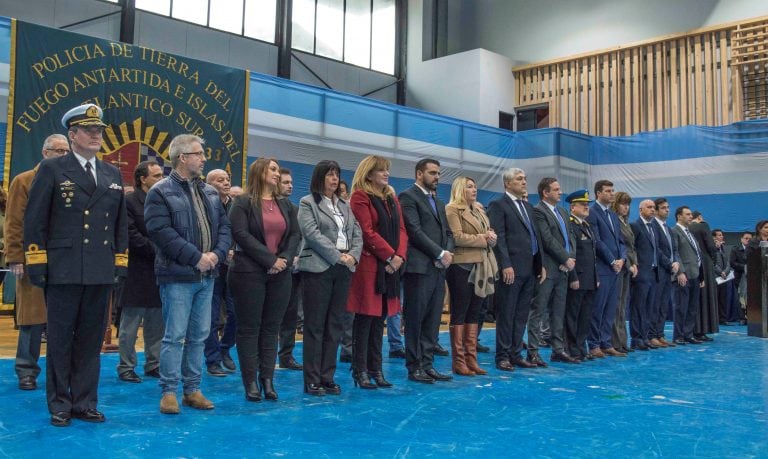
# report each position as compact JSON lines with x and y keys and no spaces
{"x":252,"y":392}
{"x":378,"y":376}
{"x":268,"y":389}
{"x":362,"y":379}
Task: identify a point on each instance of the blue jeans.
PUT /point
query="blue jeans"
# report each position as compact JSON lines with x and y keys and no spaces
{"x":394,"y":337}
{"x":187,"y":317}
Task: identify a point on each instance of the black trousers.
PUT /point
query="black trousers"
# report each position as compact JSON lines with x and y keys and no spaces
{"x":290,"y":319}
{"x":513,"y":302}
{"x":325,"y":301}
{"x":686,"y":308}
{"x":367,"y":335}
{"x":465,"y":305}
{"x":76,"y":324}
{"x":260,"y":302}
{"x":578,"y":313}
{"x":423,"y":296}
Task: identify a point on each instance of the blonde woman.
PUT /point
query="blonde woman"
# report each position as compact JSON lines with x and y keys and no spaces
{"x":473,"y":274}
{"x":374,"y":293}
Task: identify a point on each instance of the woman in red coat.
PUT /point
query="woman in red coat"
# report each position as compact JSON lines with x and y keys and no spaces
{"x":375,"y":289}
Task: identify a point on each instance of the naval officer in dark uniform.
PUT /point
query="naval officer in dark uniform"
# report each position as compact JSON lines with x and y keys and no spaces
{"x":76,"y":242}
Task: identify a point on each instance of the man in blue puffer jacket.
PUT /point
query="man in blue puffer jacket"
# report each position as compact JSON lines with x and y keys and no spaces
{"x":187,"y":223}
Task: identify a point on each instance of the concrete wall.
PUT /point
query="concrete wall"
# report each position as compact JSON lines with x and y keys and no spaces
{"x":530,"y":31}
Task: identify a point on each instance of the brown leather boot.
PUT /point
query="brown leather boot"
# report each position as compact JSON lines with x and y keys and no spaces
{"x":470,"y":349}
{"x":458,"y":364}
{"x":197,"y":400}
{"x":169,"y":404}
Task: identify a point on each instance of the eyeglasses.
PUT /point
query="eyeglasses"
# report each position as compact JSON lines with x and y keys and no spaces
{"x":194,"y":153}
{"x":61,"y":151}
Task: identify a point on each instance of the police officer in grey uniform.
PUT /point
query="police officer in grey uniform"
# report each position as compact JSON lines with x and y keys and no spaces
{"x":76,"y":247}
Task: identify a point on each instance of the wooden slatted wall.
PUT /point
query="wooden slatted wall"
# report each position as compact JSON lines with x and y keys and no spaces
{"x":698,"y":77}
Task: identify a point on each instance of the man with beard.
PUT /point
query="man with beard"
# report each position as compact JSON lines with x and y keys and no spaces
{"x":430,"y":246}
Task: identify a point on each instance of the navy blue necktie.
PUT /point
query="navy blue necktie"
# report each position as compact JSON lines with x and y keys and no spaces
{"x":432,"y":203}
{"x":534,"y":244}
{"x":653,"y":243}
{"x":563,"y":230}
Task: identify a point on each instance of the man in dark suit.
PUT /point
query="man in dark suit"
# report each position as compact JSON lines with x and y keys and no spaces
{"x":559,"y":258}
{"x":669,"y":264}
{"x":688,"y":279}
{"x":430,"y":246}
{"x":140,"y":304}
{"x":707,"y":321}
{"x":30,"y":312}
{"x":290,"y":321}
{"x":518,"y":255}
{"x":582,"y":281}
{"x":218,"y":361}
{"x":722,"y":270}
{"x":643,"y":293}
{"x":76,"y":238}
{"x":738,"y":261}
{"x":611,"y":256}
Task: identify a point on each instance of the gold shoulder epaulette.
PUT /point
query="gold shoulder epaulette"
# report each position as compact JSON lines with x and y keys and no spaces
{"x":35,"y":256}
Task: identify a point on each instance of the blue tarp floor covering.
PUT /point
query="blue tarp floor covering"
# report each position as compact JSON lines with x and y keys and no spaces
{"x":691,"y":401}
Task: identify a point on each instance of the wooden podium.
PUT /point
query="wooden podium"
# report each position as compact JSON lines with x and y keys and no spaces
{"x":757,"y":291}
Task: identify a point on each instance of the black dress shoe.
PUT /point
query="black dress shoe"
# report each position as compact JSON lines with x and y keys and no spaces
{"x":291,"y":364}
{"x":129,"y":376}
{"x":522,"y":363}
{"x":89,"y":415}
{"x":639,"y":347}
{"x":483,"y":349}
{"x":562,"y":357}
{"x":650,"y":346}
{"x":680,"y":342}
{"x":439,"y":350}
{"x":397,"y":354}
{"x":703,"y":338}
{"x":153,"y":373}
{"x":437,"y":376}
{"x":692,"y":341}
{"x":215,"y":369}
{"x":27,"y":383}
{"x":420,"y":376}
{"x":505,"y":365}
{"x":315,"y":389}
{"x":534,"y":358}
{"x":227,"y":363}
{"x":331,"y":388}
{"x":344,"y":358}
{"x":61,"y":419}
{"x":252,"y":392}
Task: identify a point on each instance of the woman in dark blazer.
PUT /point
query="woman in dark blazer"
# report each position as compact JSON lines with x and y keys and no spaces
{"x":332,"y":245}
{"x":266,"y":234}
{"x":620,"y":206}
{"x":472,"y":275}
{"x":375,"y":290}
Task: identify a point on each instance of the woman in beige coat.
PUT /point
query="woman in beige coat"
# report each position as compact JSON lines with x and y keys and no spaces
{"x":472,"y":275}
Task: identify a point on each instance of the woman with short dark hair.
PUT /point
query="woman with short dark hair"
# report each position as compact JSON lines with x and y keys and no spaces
{"x":332,"y":246}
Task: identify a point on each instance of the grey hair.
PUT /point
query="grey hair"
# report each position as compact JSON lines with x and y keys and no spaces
{"x":49,"y":140}
{"x":510,"y":173}
{"x":180,"y":144}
